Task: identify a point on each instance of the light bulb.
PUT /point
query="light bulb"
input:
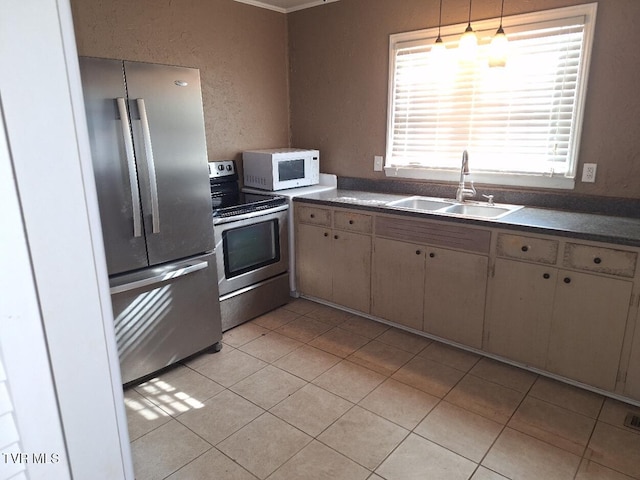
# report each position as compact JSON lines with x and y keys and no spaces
{"x":498,"y":49}
{"x":468,"y":45}
{"x":438,"y":48}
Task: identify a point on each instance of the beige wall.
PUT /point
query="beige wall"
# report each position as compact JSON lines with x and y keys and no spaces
{"x":339,"y":71}
{"x":241,"y":52}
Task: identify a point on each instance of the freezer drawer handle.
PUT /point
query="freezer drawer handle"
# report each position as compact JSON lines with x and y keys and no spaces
{"x":163,"y":277}
{"x":151,"y":166}
{"x":131,"y":166}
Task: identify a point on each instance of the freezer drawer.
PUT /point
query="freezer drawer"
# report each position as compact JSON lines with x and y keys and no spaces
{"x":164,"y":314}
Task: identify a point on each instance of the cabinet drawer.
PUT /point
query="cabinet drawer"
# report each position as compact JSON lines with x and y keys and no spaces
{"x":534,"y":249}
{"x":314,"y":215}
{"x":600,"y":259}
{"x":355,"y":222}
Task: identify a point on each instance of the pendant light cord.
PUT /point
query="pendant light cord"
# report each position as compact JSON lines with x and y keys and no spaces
{"x":501,"y":13}
{"x":469,"y":24}
{"x":440,"y":18}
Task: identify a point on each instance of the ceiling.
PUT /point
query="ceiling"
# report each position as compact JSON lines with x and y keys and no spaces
{"x":285,"y":6}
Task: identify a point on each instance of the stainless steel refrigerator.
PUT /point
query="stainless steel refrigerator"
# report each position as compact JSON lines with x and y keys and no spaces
{"x":147,"y":136}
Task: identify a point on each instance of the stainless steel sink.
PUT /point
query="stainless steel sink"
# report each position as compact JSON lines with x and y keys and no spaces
{"x":443,"y":206}
{"x":482,"y":211}
{"x":421,"y":203}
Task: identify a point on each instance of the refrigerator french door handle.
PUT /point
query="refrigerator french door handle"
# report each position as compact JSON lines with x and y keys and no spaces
{"x":151,"y":166}
{"x":163,"y":277}
{"x":131,"y":167}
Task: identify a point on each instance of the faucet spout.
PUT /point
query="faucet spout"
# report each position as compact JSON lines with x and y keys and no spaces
{"x":464,"y":170}
{"x":462,"y":191}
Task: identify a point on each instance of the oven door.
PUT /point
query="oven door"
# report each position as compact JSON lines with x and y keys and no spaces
{"x":251,"y":247}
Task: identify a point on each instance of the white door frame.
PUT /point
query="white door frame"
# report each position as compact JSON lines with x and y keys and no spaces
{"x":59,"y":355}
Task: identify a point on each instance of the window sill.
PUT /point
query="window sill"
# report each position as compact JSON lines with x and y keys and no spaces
{"x":504,"y":179}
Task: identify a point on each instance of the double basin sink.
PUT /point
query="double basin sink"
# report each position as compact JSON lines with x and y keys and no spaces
{"x":445,"y":206}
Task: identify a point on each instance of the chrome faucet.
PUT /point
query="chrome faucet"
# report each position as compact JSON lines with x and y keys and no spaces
{"x":463,"y":192}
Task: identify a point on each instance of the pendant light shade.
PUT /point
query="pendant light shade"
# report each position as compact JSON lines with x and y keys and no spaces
{"x":468,"y":45}
{"x":499,"y":45}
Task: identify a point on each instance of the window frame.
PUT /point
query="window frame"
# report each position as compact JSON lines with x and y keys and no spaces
{"x":485,"y":30}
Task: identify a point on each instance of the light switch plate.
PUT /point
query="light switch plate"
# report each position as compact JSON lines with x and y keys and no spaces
{"x":377,"y":163}
{"x":589,"y":172}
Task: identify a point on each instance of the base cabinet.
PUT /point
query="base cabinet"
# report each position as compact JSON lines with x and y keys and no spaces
{"x":632,"y":381}
{"x":314,"y":260}
{"x":543,"y":301}
{"x":455,"y":291}
{"x":333,"y":264}
{"x":587,"y":328}
{"x":519,"y":311}
{"x":398,"y":283}
{"x":437,"y":290}
{"x":563,"y":321}
{"x":351,"y":262}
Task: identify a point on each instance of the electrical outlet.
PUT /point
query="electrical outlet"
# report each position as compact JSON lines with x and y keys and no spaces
{"x":589,"y":172}
{"x":377,"y":163}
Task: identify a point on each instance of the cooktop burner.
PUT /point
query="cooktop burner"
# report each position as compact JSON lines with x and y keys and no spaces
{"x":226,"y":198}
{"x":238,"y":203}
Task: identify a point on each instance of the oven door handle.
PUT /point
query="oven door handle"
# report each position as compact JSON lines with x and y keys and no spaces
{"x":244,"y":216}
{"x":163,"y":277}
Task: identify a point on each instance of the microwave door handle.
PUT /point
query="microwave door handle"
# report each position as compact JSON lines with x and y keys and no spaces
{"x":151,"y":166}
{"x":131,"y":167}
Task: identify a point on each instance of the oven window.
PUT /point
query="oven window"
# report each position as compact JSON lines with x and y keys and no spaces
{"x":291,"y":169}
{"x":250,"y":247}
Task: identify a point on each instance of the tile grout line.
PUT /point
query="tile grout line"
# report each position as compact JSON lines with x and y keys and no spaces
{"x":504,"y":427}
{"x":353,"y":404}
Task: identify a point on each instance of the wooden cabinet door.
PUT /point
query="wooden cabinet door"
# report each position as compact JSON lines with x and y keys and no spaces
{"x":520,"y":302}
{"x":314,"y":260}
{"x":455,"y":287}
{"x":632,"y":382}
{"x":351,"y":260}
{"x":397,"y":291}
{"x":587,"y":328}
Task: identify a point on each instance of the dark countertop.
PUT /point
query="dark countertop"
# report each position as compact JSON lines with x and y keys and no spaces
{"x":585,"y":226}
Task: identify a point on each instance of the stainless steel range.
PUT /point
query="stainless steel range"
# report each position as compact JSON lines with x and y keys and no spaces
{"x":252,"y":248}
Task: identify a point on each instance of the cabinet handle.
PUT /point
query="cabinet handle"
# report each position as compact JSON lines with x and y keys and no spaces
{"x":312,"y":215}
{"x":432,"y":255}
{"x":335,"y":237}
{"x":326,"y":234}
{"x":567,"y":280}
{"x":350,"y":222}
{"x":525,"y":248}
{"x":546,"y":276}
{"x":418,"y":252}
{"x":597,"y":260}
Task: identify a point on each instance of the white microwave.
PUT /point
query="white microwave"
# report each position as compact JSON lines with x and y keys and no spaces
{"x":280,"y":168}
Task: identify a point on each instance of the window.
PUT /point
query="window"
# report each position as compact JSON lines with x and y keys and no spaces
{"x":520,"y":123}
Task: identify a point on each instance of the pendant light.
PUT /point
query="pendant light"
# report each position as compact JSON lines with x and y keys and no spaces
{"x":438,"y":48}
{"x":499,"y":45}
{"x":468,"y":45}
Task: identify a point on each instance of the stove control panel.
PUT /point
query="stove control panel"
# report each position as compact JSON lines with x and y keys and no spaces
{"x":222,"y":168}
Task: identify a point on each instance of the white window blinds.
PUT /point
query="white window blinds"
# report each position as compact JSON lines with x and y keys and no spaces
{"x":520,"y":120}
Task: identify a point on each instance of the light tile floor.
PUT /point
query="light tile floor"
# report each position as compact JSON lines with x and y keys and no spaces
{"x":311,"y":392}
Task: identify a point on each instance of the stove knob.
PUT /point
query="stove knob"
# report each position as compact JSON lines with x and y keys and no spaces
{"x":229,"y":167}
{"x":221,"y":167}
